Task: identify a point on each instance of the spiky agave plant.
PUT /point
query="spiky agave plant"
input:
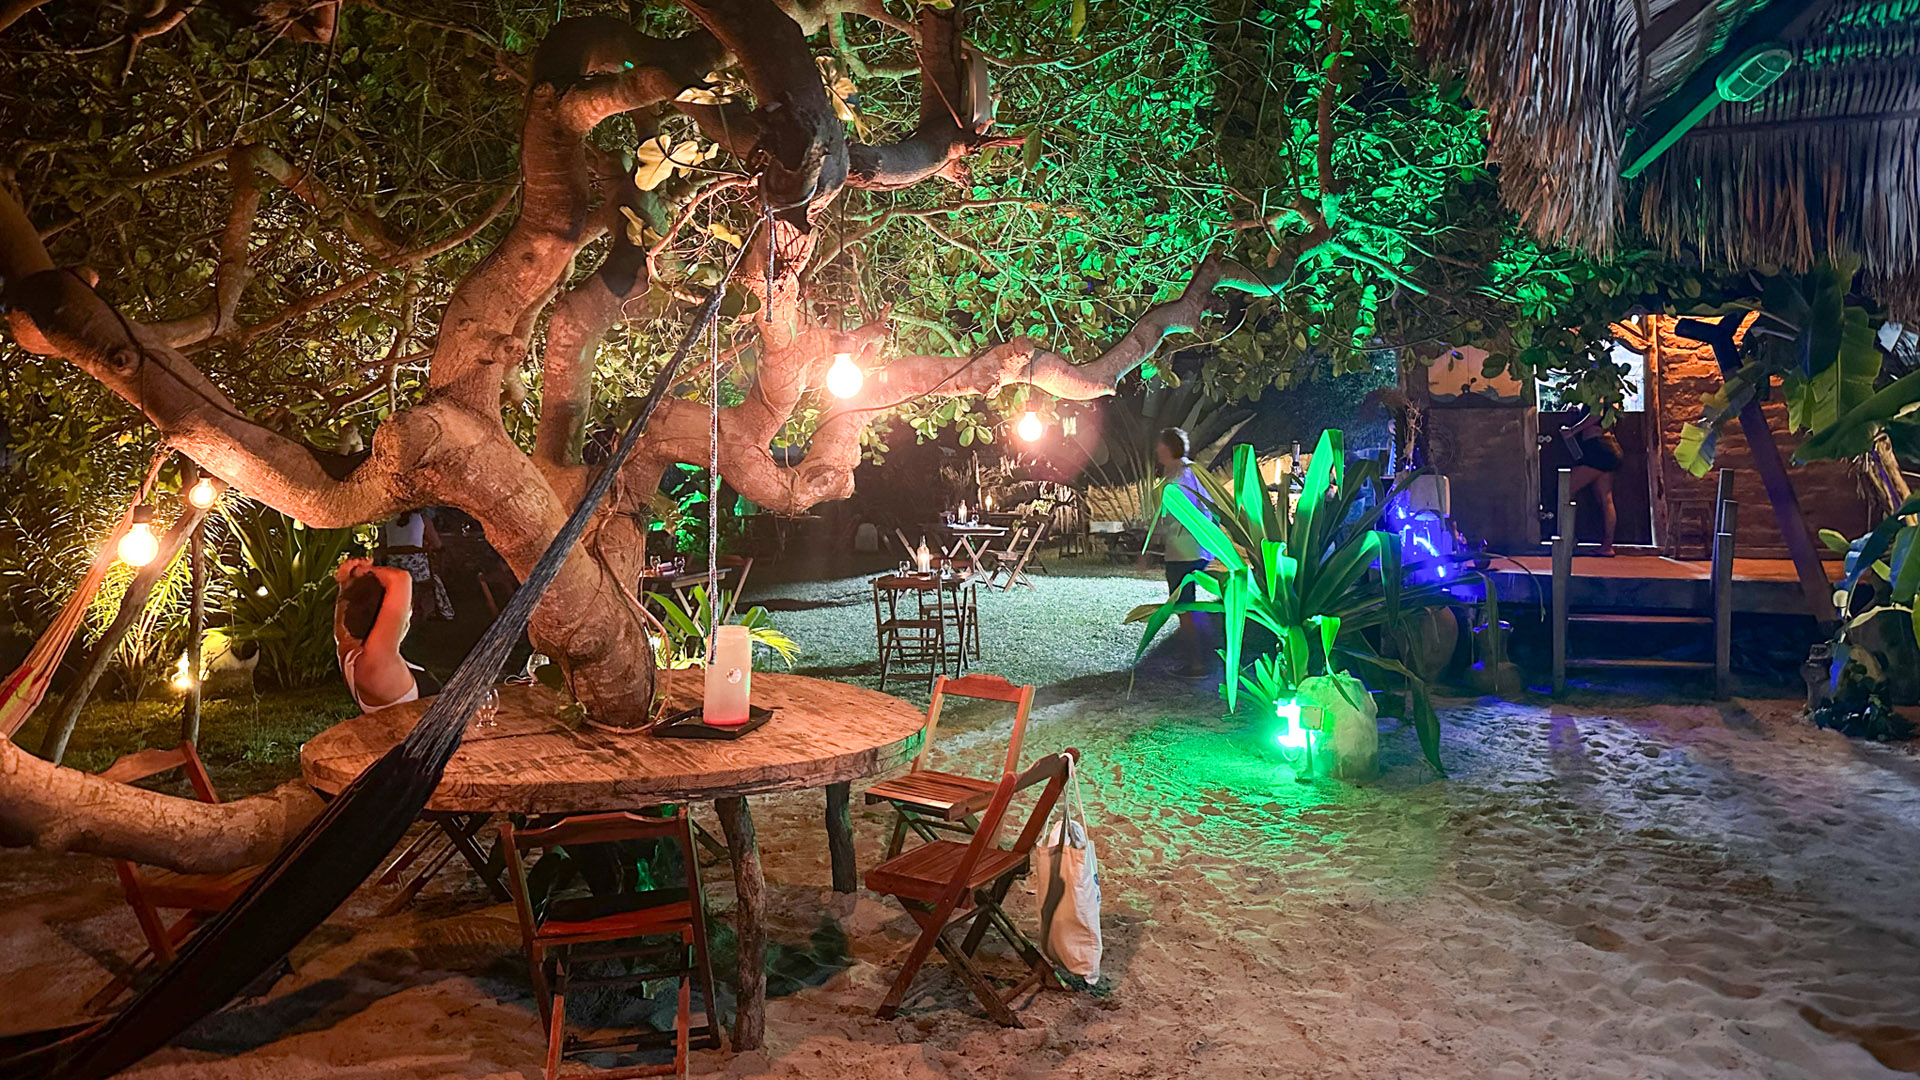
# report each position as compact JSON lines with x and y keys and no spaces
{"x":1317,"y":570}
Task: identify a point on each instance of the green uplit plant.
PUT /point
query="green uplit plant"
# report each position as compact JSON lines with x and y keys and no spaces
{"x":1291,"y":571}
{"x":280,"y":594}
{"x":687,"y":622}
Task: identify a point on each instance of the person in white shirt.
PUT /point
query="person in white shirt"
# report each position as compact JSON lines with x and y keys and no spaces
{"x":408,"y":542}
{"x":1184,"y":554}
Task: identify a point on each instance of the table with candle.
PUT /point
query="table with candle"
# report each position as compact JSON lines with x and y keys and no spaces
{"x":535,"y":761}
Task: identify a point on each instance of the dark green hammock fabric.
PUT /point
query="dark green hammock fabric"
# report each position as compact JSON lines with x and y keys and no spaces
{"x":336,"y":852}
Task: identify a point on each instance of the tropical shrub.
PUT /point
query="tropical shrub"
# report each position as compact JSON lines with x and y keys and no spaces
{"x":280,"y":593}
{"x":688,"y":620}
{"x":1305,"y":574}
{"x":1881,"y":582}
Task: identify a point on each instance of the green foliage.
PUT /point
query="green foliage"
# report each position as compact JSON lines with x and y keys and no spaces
{"x":1120,"y":453}
{"x":280,"y":593}
{"x":688,"y":621}
{"x":1304,"y":574}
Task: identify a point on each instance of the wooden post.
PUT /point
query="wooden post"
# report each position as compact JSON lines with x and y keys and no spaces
{"x":750,"y":924}
{"x":1562,"y":577}
{"x":1814,"y":584}
{"x":60,"y":726}
{"x":1727,"y":518}
{"x":196,"y":625}
{"x":846,"y":874}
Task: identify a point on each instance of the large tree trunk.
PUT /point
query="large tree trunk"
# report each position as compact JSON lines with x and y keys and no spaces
{"x":45,"y":806}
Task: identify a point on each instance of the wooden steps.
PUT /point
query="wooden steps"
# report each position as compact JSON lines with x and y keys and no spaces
{"x":1719,"y":619}
{"x":1644,"y":663}
{"x":1636,"y":618}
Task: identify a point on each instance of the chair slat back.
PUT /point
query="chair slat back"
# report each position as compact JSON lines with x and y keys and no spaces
{"x":1051,"y":769}
{"x":602,"y":828}
{"x":982,"y":687}
{"x":142,"y":764}
{"x":599,"y":828}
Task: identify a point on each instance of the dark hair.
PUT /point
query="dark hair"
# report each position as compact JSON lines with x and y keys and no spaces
{"x":1175,"y":439}
{"x":360,"y":601}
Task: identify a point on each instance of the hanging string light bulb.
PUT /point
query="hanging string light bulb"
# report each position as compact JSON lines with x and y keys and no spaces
{"x":1030,"y":428}
{"x":139,"y":545}
{"x":202,"y":494}
{"x":183,"y":679}
{"x":844,"y":377}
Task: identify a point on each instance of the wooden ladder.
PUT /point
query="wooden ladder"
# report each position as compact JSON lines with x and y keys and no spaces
{"x":1720,"y":619}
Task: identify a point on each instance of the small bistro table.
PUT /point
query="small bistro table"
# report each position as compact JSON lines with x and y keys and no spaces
{"x":965,"y":534}
{"x":822,"y":734}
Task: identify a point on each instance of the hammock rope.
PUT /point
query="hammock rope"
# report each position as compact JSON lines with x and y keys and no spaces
{"x":338,"y":849}
{"x":24,"y":689}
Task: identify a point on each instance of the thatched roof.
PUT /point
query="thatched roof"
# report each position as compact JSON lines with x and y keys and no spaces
{"x":1825,"y":160}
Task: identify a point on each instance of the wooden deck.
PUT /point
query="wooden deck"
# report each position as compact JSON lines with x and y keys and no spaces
{"x":1653,"y":583}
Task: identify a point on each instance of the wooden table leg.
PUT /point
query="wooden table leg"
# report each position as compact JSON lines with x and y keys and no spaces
{"x":750,"y":924}
{"x":846,"y":875}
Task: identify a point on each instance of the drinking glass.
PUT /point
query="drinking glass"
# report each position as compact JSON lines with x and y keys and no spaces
{"x":487,"y":713}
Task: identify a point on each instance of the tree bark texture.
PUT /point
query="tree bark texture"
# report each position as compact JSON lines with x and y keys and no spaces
{"x":451,"y":447}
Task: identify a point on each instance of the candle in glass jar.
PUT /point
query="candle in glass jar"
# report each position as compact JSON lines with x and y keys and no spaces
{"x":729,"y":677}
{"x":961,"y":514}
{"x":924,"y":556}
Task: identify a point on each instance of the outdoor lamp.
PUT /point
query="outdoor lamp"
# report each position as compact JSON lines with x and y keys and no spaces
{"x":201,"y":495}
{"x":183,"y":675}
{"x":1030,"y":428}
{"x":1292,"y":736}
{"x":844,"y":377}
{"x":139,"y":545}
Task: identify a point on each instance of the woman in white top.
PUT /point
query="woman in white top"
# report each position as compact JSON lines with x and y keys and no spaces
{"x":370,"y":619}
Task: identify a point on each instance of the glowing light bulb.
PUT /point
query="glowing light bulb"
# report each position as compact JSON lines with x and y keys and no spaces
{"x":1292,"y":736}
{"x":844,"y":377}
{"x":201,"y":495}
{"x":1030,"y":428}
{"x":183,"y":679}
{"x":261,"y":591}
{"x":139,"y":545}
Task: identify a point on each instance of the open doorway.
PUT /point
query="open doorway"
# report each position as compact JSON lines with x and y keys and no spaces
{"x":1632,"y":483}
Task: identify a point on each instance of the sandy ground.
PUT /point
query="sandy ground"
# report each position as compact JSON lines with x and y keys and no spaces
{"x":1656,"y":891}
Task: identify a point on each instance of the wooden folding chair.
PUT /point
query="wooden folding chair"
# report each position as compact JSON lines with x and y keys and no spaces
{"x":150,"y":890}
{"x":946,"y":885}
{"x":929,"y":802}
{"x":1014,"y":558}
{"x":915,"y":637}
{"x":555,"y":939}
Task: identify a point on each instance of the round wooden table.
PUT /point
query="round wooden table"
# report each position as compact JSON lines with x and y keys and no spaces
{"x":822,"y":734}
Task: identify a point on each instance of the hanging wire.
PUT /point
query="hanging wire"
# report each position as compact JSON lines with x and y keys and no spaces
{"x":713,"y":487}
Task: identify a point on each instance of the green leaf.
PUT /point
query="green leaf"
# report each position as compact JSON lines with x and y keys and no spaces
{"x":1695,"y":449}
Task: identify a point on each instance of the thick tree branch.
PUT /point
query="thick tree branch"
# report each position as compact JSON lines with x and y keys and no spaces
{"x":801,"y":154}
{"x":956,"y":110}
{"x":56,"y":809}
{"x":484,"y":332}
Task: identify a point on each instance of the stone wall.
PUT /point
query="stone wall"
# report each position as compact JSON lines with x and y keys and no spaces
{"x":1683,"y":372}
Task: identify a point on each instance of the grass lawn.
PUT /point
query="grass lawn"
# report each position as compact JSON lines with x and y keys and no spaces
{"x":249,"y":744}
{"x":1065,"y":627}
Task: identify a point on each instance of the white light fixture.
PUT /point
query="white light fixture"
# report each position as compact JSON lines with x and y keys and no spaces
{"x":844,"y":377}
{"x":139,"y":545}
{"x":1030,"y":428}
{"x":183,"y":679}
{"x":202,"y":495}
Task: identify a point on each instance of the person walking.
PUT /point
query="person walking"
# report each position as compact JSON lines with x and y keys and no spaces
{"x":1183,"y":553}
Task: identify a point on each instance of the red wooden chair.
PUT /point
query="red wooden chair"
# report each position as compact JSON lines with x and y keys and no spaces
{"x":555,"y":938}
{"x":927,"y":801}
{"x":151,"y":890}
{"x":946,"y":885}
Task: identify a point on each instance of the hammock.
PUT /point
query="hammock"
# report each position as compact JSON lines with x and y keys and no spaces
{"x":22,"y":691}
{"x":338,"y":849}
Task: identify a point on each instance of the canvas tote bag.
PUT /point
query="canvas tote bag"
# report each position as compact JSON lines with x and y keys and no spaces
{"x":1067,"y":888}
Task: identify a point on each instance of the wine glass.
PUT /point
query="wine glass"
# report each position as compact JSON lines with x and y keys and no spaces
{"x":487,"y":713}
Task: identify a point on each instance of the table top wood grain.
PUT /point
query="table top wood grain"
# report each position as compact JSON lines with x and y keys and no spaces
{"x":821,"y":733}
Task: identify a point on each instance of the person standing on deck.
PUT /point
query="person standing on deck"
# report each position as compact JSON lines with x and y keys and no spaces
{"x":1184,"y":554}
{"x":1597,"y":453}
